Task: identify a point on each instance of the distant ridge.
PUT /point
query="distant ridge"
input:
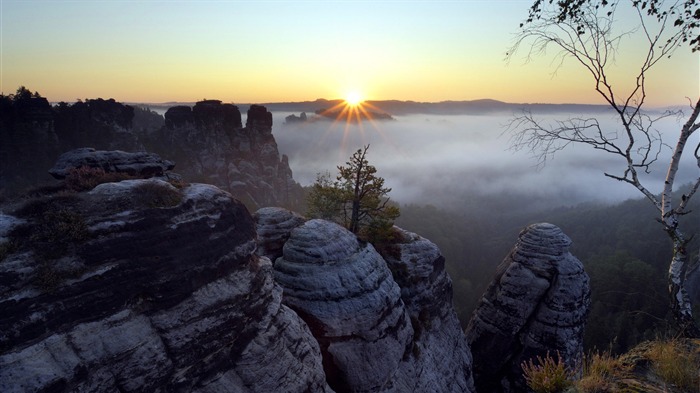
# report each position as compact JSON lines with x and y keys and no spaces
{"x":481,"y":106}
{"x":397,"y":107}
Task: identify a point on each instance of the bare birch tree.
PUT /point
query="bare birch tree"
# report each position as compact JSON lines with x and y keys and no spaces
{"x":582,"y":30}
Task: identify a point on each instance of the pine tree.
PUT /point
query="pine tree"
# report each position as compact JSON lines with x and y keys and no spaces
{"x":357,"y":198}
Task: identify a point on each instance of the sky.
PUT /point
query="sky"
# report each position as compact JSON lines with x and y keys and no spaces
{"x":274,"y":51}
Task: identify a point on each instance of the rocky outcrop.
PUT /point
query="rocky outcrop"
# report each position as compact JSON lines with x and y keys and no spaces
{"x":210,"y":145}
{"x":345,"y":293}
{"x":274,"y":225}
{"x":378,"y":331}
{"x":536,"y":306}
{"x":139,"y":164}
{"x":121,"y":289}
{"x":207,"y":141}
{"x":440,"y":359}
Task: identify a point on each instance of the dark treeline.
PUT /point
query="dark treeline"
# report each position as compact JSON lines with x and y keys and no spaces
{"x":624,"y":249}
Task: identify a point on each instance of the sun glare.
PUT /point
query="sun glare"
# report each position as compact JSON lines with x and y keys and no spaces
{"x":353,"y":98}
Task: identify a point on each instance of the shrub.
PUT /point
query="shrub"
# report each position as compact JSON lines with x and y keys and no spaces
{"x":47,"y":278}
{"x":675,"y":363}
{"x":546,"y":375}
{"x":56,"y":231}
{"x":155,"y":194}
{"x":86,"y":178}
{"x":7,"y":248}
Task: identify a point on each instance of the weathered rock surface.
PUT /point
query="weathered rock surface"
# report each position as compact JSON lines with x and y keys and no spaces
{"x":273,"y":225}
{"x":440,"y":359}
{"x":106,"y":292}
{"x":344,"y":291}
{"x":537,"y":304}
{"x":141,"y":164}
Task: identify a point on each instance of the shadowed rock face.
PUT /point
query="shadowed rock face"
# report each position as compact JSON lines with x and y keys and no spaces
{"x":209,"y":144}
{"x":344,"y":291}
{"x":440,"y":358}
{"x":537,"y":304}
{"x":274,"y":225}
{"x":136,"y":297}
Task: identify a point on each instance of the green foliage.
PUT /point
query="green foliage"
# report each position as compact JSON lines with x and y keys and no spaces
{"x":546,"y":375}
{"x":157,"y":195}
{"x":356,"y":199}
{"x":625,"y":311}
{"x":86,"y":178}
{"x":326,"y":199}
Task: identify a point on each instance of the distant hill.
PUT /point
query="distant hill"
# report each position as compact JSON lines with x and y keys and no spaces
{"x":398,"y":108}
{"x":474,"y":107}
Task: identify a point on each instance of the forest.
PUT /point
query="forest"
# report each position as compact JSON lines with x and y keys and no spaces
{"x":619,"y":245}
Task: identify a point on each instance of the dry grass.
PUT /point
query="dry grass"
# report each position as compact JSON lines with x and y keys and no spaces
{"x":86,"y":178}
{"x":599,"y":371}
{"x":675,"y":363}
{"x":546,"y":375}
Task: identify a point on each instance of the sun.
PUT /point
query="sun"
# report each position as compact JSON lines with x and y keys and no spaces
{"x":353,"y":98}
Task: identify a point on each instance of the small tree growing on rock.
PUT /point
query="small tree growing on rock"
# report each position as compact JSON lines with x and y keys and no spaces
{"x":356,"y":199}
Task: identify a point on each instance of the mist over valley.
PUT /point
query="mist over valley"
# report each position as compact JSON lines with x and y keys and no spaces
{"x":453,"y":161}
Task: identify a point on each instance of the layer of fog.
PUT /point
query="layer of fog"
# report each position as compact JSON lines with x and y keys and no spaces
{"x":455,"y":161}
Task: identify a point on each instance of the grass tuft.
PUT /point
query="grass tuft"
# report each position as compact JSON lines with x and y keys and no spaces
{"x":546,"y":375}
{"x":675,"y":363}
{"x":599,"y":369}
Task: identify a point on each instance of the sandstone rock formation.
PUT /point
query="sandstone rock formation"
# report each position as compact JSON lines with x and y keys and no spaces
{"x":345,"y":293}
{"x":207,"y":141}
{"x":120,"y":289}
{"x":140,"y":164}
{"x":536,"y":305}
{"x":274,"y":225}
{"x":378,"y":332}
{"x":210,"y":145}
